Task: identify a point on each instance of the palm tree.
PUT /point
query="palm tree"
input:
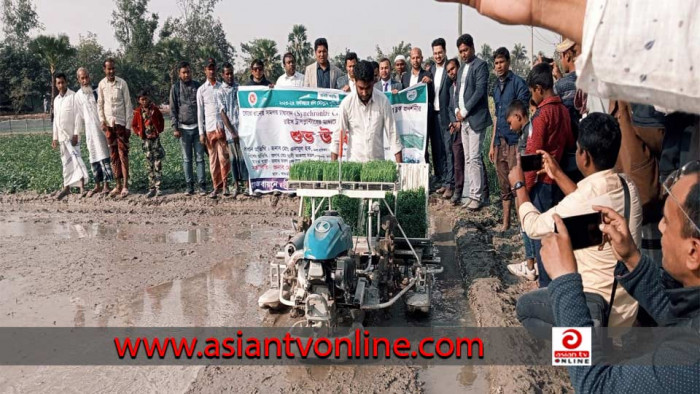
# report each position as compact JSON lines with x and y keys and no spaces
{"x":265,"y":50}
{"x":52,"y":49}
{"x":170,"y":52}
{"x":299,"y":45}
{"x":518,"y":57}
{"x":486,"y":54}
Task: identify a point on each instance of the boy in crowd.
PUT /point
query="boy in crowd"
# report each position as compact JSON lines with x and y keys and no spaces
{"x":148,"y":123}
{"x":519,"y":123}
{"x":551,"y":133}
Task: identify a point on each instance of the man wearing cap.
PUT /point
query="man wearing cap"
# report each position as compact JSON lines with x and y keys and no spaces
{"x":385,"y":83}
{"x":399,"y":68}
{"x":211,"y":133}
{"x":565,"y":87}
{"x":364,"y":119}
{"x":321,"y":74}
{"x":88,"y":121}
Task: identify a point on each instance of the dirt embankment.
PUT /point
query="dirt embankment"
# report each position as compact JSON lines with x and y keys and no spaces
{"x":483,"y":254}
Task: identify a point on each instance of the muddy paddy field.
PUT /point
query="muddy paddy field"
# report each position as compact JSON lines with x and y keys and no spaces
{"x":188,"y":261}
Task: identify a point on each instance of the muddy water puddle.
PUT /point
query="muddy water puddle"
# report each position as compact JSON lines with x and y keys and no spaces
{"x":221,"y":296}
{"x":65,"y":230}
{"x":224,"y":295}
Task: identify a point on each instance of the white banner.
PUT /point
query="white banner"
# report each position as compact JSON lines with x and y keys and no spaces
{"x":281,"y":126}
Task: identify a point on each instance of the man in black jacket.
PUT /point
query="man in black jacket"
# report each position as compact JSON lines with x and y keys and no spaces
{"x":671,"y":295}
{"x":257,"y":74}
{"x":183,"y":115}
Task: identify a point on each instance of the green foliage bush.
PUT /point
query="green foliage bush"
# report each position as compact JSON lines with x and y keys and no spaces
{"x":27,"y":162}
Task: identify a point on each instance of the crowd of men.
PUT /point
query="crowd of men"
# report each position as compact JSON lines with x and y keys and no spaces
{"x":597,"y":155}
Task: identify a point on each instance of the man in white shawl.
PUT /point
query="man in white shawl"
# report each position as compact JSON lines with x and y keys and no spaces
{"x":65,"y":135}
{"x":87,"y":120}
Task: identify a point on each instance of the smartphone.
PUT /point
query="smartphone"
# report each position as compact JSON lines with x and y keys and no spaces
{"x":531,"y":162}
{"x":584,"y":230}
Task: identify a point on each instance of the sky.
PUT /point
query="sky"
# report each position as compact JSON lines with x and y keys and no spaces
{"x":358,"y":25}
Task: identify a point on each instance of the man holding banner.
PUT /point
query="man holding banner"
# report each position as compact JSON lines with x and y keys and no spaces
{"x":362,"y":120}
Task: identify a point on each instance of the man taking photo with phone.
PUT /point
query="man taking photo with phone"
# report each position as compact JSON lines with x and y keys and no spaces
{"x":597,"y":149}
{"x":670,"y":294}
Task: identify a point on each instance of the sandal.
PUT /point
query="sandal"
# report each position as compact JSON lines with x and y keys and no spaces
{"x":124,"y":193}
{"x":114,"y":192}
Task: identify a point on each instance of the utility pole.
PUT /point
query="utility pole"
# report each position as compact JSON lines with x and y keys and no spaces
{"x":532,"y":43}
{"x":459,"y":19}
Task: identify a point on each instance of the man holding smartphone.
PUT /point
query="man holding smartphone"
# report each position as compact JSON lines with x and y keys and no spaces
{"x":670,"y":293}
{"x":596,"y":154}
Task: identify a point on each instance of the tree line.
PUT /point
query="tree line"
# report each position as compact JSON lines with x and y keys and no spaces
{"x":146,"y":59}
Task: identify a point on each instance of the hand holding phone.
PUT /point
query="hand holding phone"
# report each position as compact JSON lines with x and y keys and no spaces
{"x":584,"y":230}
{"x":531,"y":162}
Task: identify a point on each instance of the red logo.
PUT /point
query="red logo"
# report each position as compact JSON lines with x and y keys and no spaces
{"x":571,"y":346}
{"x":296,"y":136}
{"x":252,"y":98}
{"x":572,"y":339}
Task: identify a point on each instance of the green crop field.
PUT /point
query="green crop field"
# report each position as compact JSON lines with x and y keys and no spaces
{"x":27,"y":162}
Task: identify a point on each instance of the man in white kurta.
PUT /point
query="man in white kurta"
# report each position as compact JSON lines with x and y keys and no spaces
{"x":87,"y":120}
{"x":363,"y":120}
{"x":65,"y":136}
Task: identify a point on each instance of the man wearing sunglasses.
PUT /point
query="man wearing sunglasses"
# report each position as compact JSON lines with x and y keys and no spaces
{"x":257,"y":74}
{"x":671,"y":294}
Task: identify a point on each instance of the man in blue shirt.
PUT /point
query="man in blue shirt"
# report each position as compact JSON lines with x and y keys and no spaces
{"x":670,"y":293}
{"x":504,"y":142}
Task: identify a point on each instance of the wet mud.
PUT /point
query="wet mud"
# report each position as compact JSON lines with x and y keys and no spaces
{"x":186,"y":261}
{"x":483,"y":255}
